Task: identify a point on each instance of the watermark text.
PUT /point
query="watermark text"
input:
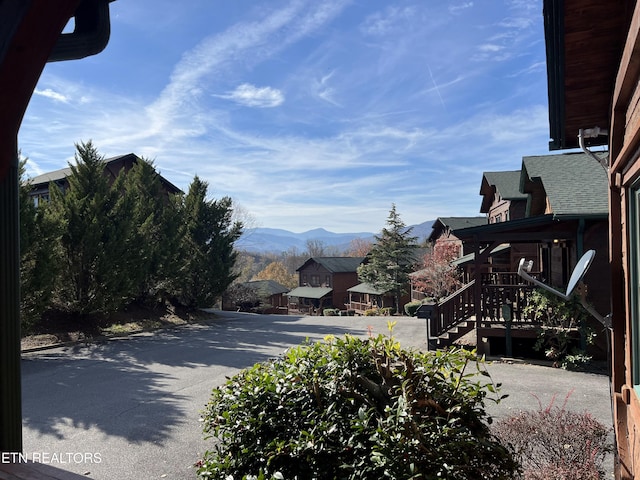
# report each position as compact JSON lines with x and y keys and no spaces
{"x":61,"y":458}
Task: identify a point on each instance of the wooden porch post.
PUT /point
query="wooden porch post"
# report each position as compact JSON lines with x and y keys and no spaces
{"x":29,"y":30}
{"x":10,"y":398}
{"x":480,"y":258}
{"x":477,"y":295}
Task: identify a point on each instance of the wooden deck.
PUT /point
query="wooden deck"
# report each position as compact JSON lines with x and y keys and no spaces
{"x":36,"y":471}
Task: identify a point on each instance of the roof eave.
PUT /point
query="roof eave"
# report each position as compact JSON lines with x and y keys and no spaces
{"x":553,"y":12}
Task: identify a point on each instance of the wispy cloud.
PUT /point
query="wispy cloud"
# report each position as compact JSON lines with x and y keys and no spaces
{"x":312,"y":112}
{"x":322,"y":89}
{"x":388,"y":21}
{"x":457,"y":8}
{"x":53,"y":95}
{"x":252,"y":96}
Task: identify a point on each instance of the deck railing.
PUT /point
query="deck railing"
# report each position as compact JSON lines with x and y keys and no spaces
{"x":501,"y":292}
{"x":452,"y":310}
{"x":360,"y":306}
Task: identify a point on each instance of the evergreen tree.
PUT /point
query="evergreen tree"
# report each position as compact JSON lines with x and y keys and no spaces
{"x":154,"y":240}
{"x":391,"y":258}
{"x":38,"y":257}
{"x":207,"y":252}
{"x":95,"y":238}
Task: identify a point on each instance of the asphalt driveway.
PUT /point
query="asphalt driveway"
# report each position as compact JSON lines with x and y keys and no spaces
{"x":134,"y":403}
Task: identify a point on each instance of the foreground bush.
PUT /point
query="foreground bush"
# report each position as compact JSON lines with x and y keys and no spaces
{"x":553,"y":443}
{"x":355,"y":409}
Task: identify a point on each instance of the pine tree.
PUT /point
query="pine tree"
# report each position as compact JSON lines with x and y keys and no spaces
{"x":391,"y":259}
{"x":155,"y":239}
{"x":207,"y":252}
{"x":39,"y":264}
{"x":95,"y":238}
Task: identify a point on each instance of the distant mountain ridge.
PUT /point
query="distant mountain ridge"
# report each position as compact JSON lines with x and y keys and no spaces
{"x":276,"y":240}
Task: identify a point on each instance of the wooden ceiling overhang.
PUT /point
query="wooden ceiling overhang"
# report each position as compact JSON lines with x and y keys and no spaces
{"x":584,"y":44}
{"x":540,"y":228}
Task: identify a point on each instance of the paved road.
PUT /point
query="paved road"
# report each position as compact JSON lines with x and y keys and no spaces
{"x":129,"y":408}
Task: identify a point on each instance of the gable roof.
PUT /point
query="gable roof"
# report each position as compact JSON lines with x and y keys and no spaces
{"x":366,"y":288}
{"x":506,"y":184}
{"x":336,"y":264}
{"x":267,"y":287}
{"x":310,"y":292}
{"x":575,"y":184}
{"x":453,"y":224}
{"x":61,"y":174}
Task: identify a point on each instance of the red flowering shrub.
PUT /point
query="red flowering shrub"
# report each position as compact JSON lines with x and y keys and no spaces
{"x":554,"y":443}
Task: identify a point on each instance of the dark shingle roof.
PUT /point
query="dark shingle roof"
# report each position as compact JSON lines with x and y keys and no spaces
{"x":268,"y":287}
{"x":65,"y":172}
{"x":507,"y":184}
{"x":337,"y":264}
{"x":455,"y":223}
{"x":310,"y":292}
{"x":575,"y":184}
{"x":366,"y":288}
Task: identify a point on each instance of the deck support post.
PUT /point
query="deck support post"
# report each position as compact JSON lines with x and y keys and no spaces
{"x":10,"y":397}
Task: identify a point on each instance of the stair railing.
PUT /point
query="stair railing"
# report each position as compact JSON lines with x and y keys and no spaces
{"x":452,"y":310}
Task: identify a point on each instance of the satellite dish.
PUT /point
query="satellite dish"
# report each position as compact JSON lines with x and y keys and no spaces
{"x":581,"y":269}
{"x":524,"y":267}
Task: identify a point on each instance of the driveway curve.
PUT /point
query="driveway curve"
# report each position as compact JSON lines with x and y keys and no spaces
{"x":129,"y":408}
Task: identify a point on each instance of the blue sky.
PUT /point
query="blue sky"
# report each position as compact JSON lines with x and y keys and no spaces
{"x":308,"y":113}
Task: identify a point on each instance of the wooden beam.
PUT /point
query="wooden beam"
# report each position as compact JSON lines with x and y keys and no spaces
{"x":28,"y":31}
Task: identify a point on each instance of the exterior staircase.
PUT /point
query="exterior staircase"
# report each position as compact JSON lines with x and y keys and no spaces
{"x":454,"y":316}
{"x":450,"y":318}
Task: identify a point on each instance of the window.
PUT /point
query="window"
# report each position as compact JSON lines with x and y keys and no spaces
{"x":40,"y":199}
{"x":634,"y":271}
{"x":315,"y":280}
{"x":327,"y":281}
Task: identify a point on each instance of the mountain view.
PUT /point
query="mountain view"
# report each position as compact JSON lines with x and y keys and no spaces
{"x":262,"y":240}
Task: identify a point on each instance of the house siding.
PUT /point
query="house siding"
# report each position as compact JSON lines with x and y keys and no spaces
{"x":314,"y":274}
{"x":595,"y":81}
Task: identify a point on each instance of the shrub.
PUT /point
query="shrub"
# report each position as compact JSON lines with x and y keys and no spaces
{"x":372,"y":312}
{"x":411,"y":308}
{"x":563,"y":321}
{"x":330,"y":312}
{"x":554,"y":443}
{"x":386,"y":311}
{"x":355,"y":409}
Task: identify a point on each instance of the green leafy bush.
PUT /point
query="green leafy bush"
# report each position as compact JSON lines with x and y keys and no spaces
{"x":372,"y":312}
{"x":386,"y":311}
{"x":555,"y":443}
{"x":411,"y":308}
{"x":563,"y":321}
{"x":355,"y":409}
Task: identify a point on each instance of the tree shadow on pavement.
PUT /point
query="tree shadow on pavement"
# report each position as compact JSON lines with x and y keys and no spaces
{"x":137,"y":387}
